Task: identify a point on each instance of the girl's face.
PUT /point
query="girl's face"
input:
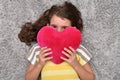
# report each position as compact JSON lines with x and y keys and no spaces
{"x":60,"y":23}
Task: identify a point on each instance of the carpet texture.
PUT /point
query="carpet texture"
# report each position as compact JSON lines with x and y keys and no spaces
{"x":101,"y":35}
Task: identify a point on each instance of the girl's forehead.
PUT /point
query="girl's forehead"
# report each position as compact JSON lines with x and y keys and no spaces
{"x":57,"y":19}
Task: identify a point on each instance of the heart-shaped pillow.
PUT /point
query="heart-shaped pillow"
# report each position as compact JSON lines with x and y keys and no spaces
{"x":57,"y":41}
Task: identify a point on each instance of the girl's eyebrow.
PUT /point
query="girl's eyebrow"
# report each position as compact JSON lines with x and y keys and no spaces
{"x":64,"y":26}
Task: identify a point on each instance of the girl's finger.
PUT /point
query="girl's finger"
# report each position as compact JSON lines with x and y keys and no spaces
{"x":46,"y":50}
{"x":48,"y":58}
{"x":47,"y":54}
{"x":68,"y":51}
{"x":64,"y":59}
{"x":66,"y":54}
{"x":43,"y":48}
{"x":72,"y":49}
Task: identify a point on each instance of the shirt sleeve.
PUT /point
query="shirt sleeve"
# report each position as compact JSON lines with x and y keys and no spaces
{"x":32,"y":54}
{"x":81,"y":61}
{"x":84,"y":53}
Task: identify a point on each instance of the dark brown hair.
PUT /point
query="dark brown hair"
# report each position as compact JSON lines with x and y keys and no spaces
{"x":29,"y":30}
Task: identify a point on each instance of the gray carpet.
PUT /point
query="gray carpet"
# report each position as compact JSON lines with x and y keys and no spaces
{"x":101,"y":35}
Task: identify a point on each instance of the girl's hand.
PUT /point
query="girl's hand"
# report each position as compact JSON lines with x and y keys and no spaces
{"x":44,"y":55}
{"x":71,"y":56}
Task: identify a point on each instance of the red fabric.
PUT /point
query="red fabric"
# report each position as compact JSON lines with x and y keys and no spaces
{"x":57,"y":41}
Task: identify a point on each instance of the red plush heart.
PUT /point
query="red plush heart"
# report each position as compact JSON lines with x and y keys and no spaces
{"x":57,"y":41}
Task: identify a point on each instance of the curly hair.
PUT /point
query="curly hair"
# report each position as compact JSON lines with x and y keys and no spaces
{"x":29,"y":30}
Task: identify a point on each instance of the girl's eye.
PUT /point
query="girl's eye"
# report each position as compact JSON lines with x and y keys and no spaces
{"x":64,"y":27}
{"x":54,"y":26}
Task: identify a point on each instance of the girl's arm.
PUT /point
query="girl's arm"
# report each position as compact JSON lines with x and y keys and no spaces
{"x":33,"y":71}
{"x":84,"y":72}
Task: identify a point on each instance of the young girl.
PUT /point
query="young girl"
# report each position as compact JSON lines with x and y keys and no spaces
{"x":74,"y":67}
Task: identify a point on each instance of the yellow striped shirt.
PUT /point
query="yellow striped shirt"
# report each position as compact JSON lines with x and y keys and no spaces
{"x":61,"y":71}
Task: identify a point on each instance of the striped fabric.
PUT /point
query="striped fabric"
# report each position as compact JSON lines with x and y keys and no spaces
{"x":84,"y":53}
{"x":34,"y":51}
{"x":61,"y":71}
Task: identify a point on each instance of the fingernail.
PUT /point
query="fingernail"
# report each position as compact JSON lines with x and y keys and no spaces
{"x":45,"y":47}
{"x":49,"y":48}
{"x":64,"y":48}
